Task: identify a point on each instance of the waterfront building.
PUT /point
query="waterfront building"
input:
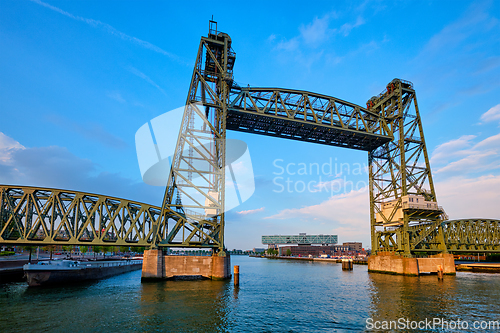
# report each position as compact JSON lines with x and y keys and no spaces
{"x":353,"y":246}
{"x":301,"y":239}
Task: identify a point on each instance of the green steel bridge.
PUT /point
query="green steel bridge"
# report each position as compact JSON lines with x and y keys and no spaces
{"x":404,"y":215}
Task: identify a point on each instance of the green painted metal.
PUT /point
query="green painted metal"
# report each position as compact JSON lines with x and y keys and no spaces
{"x":201,"y":151}
{"x":389,"y":129}
{"x":305,"y":116}
{"x":460,"y":236}
{"x":45,"y":216}
{"x":399,"y":169}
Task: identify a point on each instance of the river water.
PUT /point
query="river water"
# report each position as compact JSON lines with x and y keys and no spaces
{"x":273,"y":296}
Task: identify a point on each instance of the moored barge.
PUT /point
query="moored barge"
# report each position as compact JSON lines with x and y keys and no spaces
{"x":70,"y":271}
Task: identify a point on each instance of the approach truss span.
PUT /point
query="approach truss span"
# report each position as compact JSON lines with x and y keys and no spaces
{"x":305,"y":116}
{"x":472,"y":235}
{"x":47,"y":216}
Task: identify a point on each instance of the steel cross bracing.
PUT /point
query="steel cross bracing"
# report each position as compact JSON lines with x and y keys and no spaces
{"x":194,"y":198}
{"x":459,"y":236}
{"x":305,"y":116}
{"x":399,"y":169}
{"x":44,"y":216}
{"x":192,"y":212}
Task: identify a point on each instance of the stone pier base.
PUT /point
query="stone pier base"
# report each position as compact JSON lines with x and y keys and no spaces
{"x":395,"y":264}
{"x":159,"y":266}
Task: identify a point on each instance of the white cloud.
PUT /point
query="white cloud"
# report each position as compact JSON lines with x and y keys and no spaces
{"x":348,"y":214}
{"x":7,"y":147}
{"x":463,"y":197}
{"x":452,"y":148}
{"x":251,"y":211}
{"x":334,"y":185}
{"x":462,"y":156}
{"x":492,"y":142}
{"x":317,"y":31}
{"x":7,"y":142}
{"x":346,"y":28}
{"x":288,"y":45}
{"x":56,"y":167}
{"x":492,"y":114}
{"x":341,"y":208}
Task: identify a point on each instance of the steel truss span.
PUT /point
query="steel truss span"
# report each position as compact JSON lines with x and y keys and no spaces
{"x":305,"y":116}
{"x":404,"y":214}
{"x":45,"y":216}
{"x":472,"y":235}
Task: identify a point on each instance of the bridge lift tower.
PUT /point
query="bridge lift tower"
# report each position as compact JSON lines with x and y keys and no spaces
{"x":403,"y":204}
{"x":405,"y":218}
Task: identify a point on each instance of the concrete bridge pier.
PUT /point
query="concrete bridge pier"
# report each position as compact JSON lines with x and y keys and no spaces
{"x":158,"y":266}
{"x":390,"y":263}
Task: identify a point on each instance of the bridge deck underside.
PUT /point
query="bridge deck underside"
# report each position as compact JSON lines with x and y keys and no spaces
{"x":264,"y":124}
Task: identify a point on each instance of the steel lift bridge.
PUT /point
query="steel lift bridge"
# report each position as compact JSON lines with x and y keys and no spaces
{"x":404,"y":214}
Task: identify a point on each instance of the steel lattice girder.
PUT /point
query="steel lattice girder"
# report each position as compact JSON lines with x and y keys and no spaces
{"x":190,"y":201}
{"x":459,"y":236}
{"x":305,"y":116}
{"x":45,"y":216}
{"x":389,"y":129}
{"x":472,"y":235}
{"x":400,"y":168}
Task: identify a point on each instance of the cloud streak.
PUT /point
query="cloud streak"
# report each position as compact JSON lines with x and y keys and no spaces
{"x":251,"y":211}
{"x":143,"y":76}
{"x":111,"y":30}
{"x":89,"y":130}
{"x":492,"y":114}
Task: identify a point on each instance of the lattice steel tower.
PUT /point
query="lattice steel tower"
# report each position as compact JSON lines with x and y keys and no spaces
{"x":403,"y":204}
{"x":197,"y":174}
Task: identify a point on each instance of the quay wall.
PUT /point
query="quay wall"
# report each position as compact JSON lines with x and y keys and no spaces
{"x":156,"y":265}
{"x":395,"y":264}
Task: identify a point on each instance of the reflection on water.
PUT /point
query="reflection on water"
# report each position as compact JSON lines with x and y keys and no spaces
{"x":466,"y":297}
{"x":194,"y":306}
{"x":274,"y":295}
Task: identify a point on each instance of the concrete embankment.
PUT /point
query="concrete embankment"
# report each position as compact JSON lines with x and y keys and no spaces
{"x":479,"y":267}
{"x":330,"y":260}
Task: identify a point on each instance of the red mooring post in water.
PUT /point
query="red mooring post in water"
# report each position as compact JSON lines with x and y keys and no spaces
{"x":440,"y":272}
{"x":236,"y":275}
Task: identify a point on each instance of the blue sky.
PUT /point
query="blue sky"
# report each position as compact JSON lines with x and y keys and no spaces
{"x":79,"y":78}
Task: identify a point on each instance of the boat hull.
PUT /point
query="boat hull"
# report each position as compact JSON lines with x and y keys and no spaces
{"x":46,"y":277}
